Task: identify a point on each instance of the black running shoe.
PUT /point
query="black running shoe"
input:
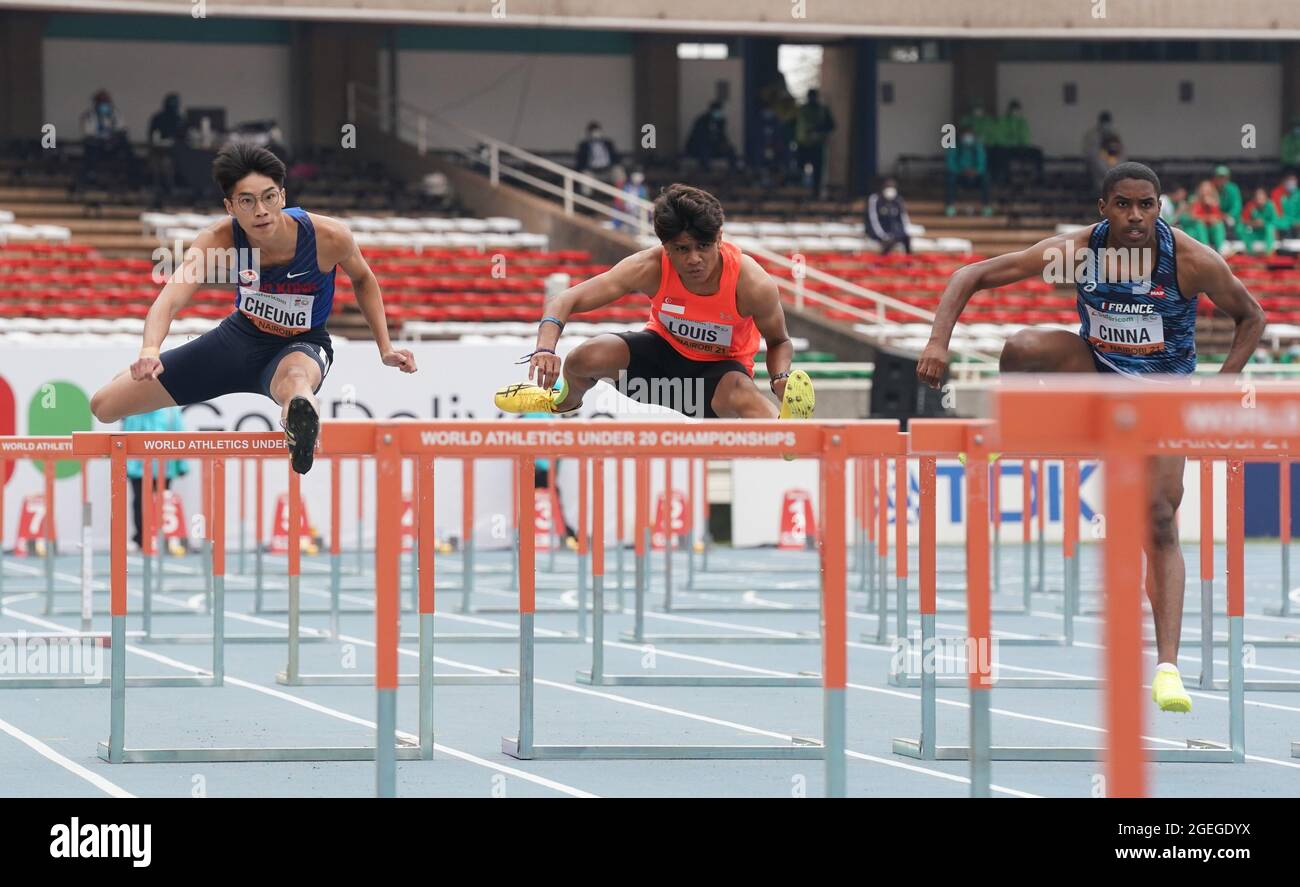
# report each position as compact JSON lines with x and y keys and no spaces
{"x":301,"y":428}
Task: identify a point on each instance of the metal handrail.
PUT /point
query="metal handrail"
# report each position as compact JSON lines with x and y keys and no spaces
{"x":573,"y":183}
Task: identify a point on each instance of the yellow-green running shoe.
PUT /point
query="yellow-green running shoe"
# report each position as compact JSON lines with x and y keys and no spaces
{"x":527,"y":398}
{"x":799,"y":399}
{"x":993,"y":457}
{"x":1168,"y":693}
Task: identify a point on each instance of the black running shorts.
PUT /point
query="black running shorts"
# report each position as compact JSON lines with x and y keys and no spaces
{"x":659,"y":374}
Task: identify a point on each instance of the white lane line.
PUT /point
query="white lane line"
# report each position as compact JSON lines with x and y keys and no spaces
{"x":109,"y":788}
{"x":335,"y":713}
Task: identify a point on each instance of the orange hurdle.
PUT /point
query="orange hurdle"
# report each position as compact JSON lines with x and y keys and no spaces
{"x":1127,"y":423}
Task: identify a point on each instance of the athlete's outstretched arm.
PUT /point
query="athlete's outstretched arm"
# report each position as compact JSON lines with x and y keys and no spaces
{"x":176,"y":293}
{"x":758,"y":297}
{"x":1212,"y":276}
{"x":630,"y":275}
{"x":970,"y":279}
{"x":369,"y":299}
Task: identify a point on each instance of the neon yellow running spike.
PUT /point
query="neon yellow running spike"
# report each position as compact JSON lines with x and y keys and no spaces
{"x":800,"y":399}
{"x":526,"y":398}
{"x":993,"y":457}
{"x":1168,"y":693}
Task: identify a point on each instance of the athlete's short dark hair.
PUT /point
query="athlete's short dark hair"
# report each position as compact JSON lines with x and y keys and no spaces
{"x":1128,"y":170}
{"x":683,"y":208}
{"x":235,"y":161}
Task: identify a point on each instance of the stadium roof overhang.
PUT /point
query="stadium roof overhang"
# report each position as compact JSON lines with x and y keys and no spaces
{"x":796,"y":19}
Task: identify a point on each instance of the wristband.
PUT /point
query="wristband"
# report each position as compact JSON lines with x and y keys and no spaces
{"x":148,"y":352}
{"x":528,"y":357}
{"x":555,"y":320}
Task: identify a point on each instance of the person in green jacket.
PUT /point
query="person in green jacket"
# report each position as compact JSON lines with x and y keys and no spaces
{"x":1259,"y":224}
{"x":1229,"y":197}
{"x":1290,"y":152}
{"x":166,"y":419}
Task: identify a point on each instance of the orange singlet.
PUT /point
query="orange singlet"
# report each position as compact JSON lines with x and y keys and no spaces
{"x":704,"y":327}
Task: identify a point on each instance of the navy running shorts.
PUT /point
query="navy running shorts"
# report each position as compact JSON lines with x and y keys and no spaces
{"x":235,"y":357}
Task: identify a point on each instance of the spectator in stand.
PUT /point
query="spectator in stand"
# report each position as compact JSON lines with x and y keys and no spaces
{"x":632,"y":186}
{"x":1095,"y":156}
{"x":708,"y":140}
{"x":166,"y":131}
{"x":984,"y":126}
{"x":1286,"y":200}
{"x":104,"y":138}
{"x":1229,"y":196}
{"x":887,"y":219}
{"x":1290,"y":152}
{"x":1176,"y":210}
{"x":1209,"y":214}
{"x":967,"y":168}
{"x":597,"y":156}
{"x":774,"y":153}
{"x":812,"y":127}
{"x":1259,"y":224}
{"x":1012,"y":133}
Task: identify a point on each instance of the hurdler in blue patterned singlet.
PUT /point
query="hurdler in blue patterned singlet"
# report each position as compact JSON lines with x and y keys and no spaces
{"x":1138,"y":326}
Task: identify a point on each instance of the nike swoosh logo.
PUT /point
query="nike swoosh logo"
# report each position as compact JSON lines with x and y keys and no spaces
{"x":299,"y":274}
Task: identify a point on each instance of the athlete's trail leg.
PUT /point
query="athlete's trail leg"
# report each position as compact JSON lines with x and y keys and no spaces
{"x":737,"y":397}
{"x":598,"y":358}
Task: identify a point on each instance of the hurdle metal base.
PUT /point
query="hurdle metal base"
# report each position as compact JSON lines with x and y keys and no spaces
{"x":1295,"y":749}
{"x":232,"y":639}
{"x":1198,"y":750}
{"x":566,"y":637}
{"x":1259,"y":686}
{"x":798,"y":750}
{"x":959,"y":682}
{"x":403,"y":751}
{"x":803,"y":679}
{"x":505,"y":676}
{"x":53,"y":683}
{"x":803,"y":637}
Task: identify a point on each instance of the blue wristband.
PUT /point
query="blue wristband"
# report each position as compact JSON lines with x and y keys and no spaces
{"x":554,"y":320}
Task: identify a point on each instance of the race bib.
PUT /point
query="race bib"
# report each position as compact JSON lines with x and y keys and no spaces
{"x":1125,"y":333}
{"x":712,"y":338}
{"x":280,"y":314}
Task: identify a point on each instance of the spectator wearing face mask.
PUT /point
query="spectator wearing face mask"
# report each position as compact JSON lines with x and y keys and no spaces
{"x":1259,"y":224}
{"x":633,"y":186}
{"x":1286,"y":201}
{"x":597,"y":156}
{"x":104,"y":138}
{"x":708,"y":140}
{"x":1101,"y":145}
{"x":967,"y":168}
{"x":887,"y":219}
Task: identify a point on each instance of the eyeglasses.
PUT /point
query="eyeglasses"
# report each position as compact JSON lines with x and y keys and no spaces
{"x":271,"y":200}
